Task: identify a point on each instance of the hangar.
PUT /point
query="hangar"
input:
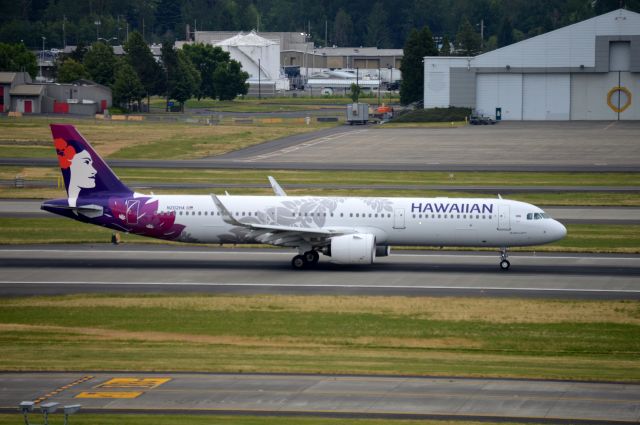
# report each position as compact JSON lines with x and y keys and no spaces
{"x":586,"y":71}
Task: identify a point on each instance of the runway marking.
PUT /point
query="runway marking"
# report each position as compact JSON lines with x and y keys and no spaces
{"x":147,"y":383}
{"x":117,"y":251}
{"x":62,"y":388}
{"x":329,"y":285}
{"x":610,"y":125}
{"x":109,"y":394}
{"x":294,"y":148}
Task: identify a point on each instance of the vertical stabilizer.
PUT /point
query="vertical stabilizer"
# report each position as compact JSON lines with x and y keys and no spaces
{"x":85,"y":173}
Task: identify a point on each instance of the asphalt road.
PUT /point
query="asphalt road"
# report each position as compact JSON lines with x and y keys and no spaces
{"x":328,"y":396}
{"x":65,"y":269}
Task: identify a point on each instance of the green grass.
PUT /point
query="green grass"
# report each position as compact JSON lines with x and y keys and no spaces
{"x":307,"y":335}
{"x":31,"y":137}
{"x":112,"y":419}
{"x":580,"y":238}
{"x":402,"y":178}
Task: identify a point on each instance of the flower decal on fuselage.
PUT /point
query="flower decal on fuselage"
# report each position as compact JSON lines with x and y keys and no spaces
{"x":140,"y":216}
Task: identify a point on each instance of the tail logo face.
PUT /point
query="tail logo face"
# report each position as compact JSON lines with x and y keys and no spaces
{"x":76,"y":164}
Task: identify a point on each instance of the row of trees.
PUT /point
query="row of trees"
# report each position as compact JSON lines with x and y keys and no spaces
{"x":382,"y":23}
{"x":196,"y":71}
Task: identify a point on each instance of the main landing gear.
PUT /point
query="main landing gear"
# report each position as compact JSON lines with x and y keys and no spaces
{"x":308,"y":259}
{"x":504,"y":263}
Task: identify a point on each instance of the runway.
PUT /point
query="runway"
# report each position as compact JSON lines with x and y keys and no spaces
{"x":328,"y":396}
{"x":68,"y":269}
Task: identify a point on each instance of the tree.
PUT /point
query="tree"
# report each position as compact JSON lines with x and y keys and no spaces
{"x":168,"y":16}
{"x":343,"y":29}
{"x":467,"y":40}
{"x":206,"y":59}
{"x":70,"y":71}
{"x":355,"y":92}
{"x":418,"y":45}
{"x":182,"y":78}
{"x":100,"y":63}
{"x":230,"y":80}
{"x":505,"y":34}
{"x":127,"y":86}
{"x":78,"y":54}
{"x":141,"y":59}
{"x":16,"y":57}
{"x":445,"y":50}
{"x":377,"y":32}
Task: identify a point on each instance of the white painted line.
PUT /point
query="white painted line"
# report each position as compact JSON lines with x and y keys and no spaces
{"x":329,"y":285}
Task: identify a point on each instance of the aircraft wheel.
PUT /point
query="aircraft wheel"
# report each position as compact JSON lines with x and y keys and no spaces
{"x":298,"y":262}
{"x":311,"y":257}
{"x":505,"y":264}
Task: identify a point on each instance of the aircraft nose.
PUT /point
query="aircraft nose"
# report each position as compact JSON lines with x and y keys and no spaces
{"x":559,"y":231}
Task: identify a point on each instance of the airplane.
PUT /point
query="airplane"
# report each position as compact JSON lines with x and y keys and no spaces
{"x":350,"y":230}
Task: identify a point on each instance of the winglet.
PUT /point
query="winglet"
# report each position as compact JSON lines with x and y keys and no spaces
{"x":226,"y":215}
{"x":277,"y":189}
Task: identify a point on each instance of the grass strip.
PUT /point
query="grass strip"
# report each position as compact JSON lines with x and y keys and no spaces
{"x":114,"y":419}
{"x":406,"y":178}
{"x":598,"y":238}
{"x":30,"y":137}
{"x":554,"y":339}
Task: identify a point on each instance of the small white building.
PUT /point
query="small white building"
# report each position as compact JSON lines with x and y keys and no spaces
{"x":586,"y":71}
{"x":260,"y":57}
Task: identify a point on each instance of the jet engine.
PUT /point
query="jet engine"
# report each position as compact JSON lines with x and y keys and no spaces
{"x":356,"y":248}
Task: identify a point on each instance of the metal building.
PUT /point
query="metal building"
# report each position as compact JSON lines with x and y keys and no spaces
{"x":585,"y":71}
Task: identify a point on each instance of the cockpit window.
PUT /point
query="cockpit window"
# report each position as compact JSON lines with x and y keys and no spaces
{"x":537,"y":216}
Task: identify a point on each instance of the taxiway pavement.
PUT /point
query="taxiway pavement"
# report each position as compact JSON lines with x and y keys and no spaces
{"x":581,"y":146}
{"x":65,"y":269}
{"x":326,"y":395}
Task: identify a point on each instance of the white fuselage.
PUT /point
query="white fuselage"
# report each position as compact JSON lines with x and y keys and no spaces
{"x":393,"y":221}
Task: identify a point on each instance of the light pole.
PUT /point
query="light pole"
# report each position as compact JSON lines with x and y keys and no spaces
{"x":379,"y":81}
{"x":390,"y":67}
{"x":259,"y":81}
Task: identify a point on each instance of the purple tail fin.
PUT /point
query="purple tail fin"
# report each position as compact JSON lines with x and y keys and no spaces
{"x":84,"y":171}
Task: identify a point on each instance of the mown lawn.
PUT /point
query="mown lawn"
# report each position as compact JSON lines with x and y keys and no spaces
{"x":371,"y":335}
{"x":31,"y":137}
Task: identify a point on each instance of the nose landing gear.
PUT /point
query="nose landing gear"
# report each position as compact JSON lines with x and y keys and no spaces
{"x":504,"y":263}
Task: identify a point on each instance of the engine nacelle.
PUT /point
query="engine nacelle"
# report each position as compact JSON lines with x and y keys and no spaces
{"x":357,"y":248}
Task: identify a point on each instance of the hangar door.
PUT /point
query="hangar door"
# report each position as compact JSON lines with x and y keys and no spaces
{"x":546,"y":97}
{"x":499,"y":91}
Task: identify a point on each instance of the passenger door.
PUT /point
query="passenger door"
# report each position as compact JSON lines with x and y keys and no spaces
{"x":504,"y":219}
{"x":398,"y":218}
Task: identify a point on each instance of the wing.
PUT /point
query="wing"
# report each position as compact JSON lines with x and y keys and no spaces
{"x":280,"y":235}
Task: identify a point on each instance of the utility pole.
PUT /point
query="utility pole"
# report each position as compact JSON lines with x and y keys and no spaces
{"x":259,"y":81}
{"x":482,"y":33}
